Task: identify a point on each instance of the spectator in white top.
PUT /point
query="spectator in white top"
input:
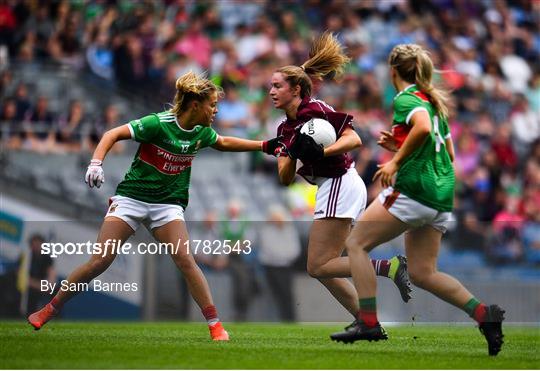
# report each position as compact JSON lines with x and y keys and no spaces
{"x":516,"y":70}
{"x":279,"y":245}
{"x":525,"y":125}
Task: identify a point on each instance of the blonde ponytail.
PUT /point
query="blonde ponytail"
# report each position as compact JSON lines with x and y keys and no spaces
{"x":326,"y":59}
{"x":192,"y":86}
{"x":326,"y":56}
{"x":414,"y":65}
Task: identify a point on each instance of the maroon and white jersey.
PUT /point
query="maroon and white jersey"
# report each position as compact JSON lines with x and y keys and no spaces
{"x":328,"y":167}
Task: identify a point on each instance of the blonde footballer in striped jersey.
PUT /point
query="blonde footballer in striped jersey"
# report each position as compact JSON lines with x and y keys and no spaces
{"x":418,"y":203}
{"x":154,"y":191}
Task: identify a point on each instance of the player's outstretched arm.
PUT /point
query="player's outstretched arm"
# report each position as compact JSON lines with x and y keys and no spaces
{"x":233,"y":144}
{"x":94,"y":174}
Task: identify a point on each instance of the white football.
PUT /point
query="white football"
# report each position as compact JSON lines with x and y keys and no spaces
{"x":321,"y":131}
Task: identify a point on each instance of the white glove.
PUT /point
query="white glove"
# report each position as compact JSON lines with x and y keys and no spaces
{"x":94,"y":174}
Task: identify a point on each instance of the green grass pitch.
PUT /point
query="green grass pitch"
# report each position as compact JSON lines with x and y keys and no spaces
{"x":83,"y":345}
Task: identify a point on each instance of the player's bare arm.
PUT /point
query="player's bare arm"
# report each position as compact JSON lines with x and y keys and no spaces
{"x":233,"y":144}
{"x":286,"y":170}
{"x":348,"y":141}
{"x":388,"y":141}
{"x":94,"y":174}
{"x":109,"y":139}
{"x":421,"y":127}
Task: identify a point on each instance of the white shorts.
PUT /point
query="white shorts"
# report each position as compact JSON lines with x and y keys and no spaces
{"x":135,"y":212}
{"x":343,"y":197}
{"x":413,"y":212}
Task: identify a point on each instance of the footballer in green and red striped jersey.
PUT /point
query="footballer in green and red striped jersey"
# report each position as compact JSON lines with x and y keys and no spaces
{"x":435,"y":188}
{"x":161,"y":169}
{"x":154,"y":191}
{"x":419,"y":202}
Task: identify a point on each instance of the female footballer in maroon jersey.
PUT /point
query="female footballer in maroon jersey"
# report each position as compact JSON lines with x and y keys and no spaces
{"x":341,"y":194}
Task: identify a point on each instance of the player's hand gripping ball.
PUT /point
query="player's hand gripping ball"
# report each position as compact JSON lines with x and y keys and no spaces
{"x":306,"y":149}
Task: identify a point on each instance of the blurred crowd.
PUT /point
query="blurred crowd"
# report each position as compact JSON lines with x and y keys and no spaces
{"x":487,"y":53}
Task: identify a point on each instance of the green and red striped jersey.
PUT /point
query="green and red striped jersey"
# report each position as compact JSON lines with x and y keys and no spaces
{"x":161,"y":170}
{"x":427,"y":175}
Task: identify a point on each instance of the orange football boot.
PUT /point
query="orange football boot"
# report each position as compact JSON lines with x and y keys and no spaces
{"x":42,"y":316}
{"x":218,"y":333}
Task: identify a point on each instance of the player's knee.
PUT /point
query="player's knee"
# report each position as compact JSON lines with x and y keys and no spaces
{"x":353,"y":244}
{"x":418,"y":277}
{"x":314,"y":270}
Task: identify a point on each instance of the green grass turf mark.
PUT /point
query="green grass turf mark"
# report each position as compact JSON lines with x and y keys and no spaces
{"x":102,"y":345}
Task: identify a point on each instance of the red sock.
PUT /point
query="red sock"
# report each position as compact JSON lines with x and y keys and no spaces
{"x":480,"y":312}
{"x":368,"y":311}
{"x":56,"y":304}
{"x":367,"y":317}
{"x":381,"y":266}
{"x":211,"y":315}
